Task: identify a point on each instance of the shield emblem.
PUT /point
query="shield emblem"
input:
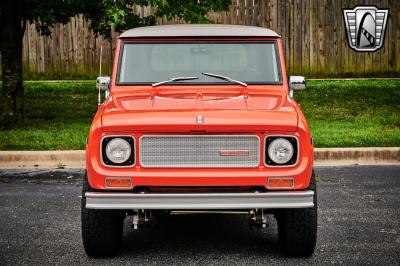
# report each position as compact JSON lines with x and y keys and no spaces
{"x":365,"y":27}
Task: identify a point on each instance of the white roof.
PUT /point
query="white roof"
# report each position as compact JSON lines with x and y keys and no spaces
{"x":199,"y":30}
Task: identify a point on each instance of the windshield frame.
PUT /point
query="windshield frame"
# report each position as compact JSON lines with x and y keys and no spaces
{"x":218,"y":41}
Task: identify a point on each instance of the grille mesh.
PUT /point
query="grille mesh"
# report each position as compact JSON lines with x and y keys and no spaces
{"x":198,"y":151}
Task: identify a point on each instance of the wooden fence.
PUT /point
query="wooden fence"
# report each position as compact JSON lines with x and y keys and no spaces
{"x":313,"y":32}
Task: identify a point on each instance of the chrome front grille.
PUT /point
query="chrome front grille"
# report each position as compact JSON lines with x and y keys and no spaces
{"x":199,"y":151}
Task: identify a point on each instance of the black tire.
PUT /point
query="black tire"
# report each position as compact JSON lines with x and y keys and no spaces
{"x":101,"y":229}
{"x":297,"y":228}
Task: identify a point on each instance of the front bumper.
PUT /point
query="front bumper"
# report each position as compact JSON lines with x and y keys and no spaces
{"x":200,"y":201}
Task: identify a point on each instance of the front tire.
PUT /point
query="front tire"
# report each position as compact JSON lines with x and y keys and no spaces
{"x":101,"y":229}
{"x":297,"y":228}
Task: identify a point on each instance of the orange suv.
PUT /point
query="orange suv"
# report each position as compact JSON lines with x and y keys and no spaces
{"x":199,"y":117}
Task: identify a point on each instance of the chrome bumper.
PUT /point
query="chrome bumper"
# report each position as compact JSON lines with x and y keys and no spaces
{"x":199,"y":201}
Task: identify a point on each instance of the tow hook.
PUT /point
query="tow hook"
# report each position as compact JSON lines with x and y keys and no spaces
{"x":258,"y":218}
{"x":140,"y":218}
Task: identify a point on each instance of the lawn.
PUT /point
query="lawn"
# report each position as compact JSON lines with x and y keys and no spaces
{"x":57,"y":117}
{"x":362,"y":113}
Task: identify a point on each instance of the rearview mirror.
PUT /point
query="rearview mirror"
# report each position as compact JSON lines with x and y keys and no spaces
{"x":296,"y":83}
{"x":103,"y":84}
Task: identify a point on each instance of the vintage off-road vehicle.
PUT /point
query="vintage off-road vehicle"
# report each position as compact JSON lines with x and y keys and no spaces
{"x":199,"y":117}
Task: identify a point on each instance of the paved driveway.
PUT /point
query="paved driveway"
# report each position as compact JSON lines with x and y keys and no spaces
{"x":359,"y":223}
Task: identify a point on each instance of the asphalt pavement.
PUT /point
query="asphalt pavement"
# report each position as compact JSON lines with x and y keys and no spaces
{"x":359,"y":223}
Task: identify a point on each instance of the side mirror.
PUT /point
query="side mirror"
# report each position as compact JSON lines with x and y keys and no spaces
{"x":296,"y":83}
{"x":103,"y":84}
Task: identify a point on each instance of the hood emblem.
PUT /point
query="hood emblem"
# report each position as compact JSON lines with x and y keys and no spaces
{"x":199,"y":119}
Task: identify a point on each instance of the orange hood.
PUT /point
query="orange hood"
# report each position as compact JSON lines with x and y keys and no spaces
{"x":180,"y":109}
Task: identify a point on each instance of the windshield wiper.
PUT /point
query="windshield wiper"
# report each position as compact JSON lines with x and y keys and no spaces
{"x":173,"y":80}
{"x":224,"y":78}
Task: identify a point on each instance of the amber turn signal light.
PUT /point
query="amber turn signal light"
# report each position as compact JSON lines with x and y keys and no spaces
{"x":119,"y":182}
{"x":280,"y":183}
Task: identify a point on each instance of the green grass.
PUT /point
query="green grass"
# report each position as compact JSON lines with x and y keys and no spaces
{"x":57,"y":117}
{"x":362,"y":113}
{"x":340,"y":113}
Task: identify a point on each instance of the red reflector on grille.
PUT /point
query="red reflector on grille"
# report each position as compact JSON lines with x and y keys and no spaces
{"x":233,"y":153}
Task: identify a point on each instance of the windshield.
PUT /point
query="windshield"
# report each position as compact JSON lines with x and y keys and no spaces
{"x":249,"y":62}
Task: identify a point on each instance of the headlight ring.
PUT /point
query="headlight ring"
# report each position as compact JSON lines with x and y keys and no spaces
{"x":281,"y":150}
{"x":118,"y":151}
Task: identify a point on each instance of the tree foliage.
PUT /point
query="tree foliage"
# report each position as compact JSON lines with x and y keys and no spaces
{"x":104,"y":16}
{"x":118,"y":15}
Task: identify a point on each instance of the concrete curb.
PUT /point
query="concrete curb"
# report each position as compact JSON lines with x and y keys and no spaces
{"x":361,"y":156}
{"x":76,"y":158}
{"x":42,"y":159}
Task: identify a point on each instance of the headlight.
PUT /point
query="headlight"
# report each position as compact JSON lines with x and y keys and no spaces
{"x":118,"y":151}
{"x":281,"y":150}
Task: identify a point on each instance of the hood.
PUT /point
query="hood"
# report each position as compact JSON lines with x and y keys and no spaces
{"x":185,"y":110}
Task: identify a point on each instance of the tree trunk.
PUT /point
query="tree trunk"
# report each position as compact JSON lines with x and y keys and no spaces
{"x":11,"y":33}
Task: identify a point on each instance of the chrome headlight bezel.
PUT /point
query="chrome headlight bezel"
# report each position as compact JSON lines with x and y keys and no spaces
{"x":293,"y":140}
{"x":107,"y":161}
